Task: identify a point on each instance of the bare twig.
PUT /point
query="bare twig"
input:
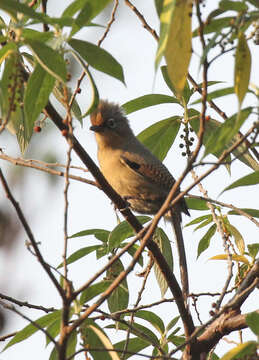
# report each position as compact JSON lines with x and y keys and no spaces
{"x":26,"y":304}
{"x":13,"y":309}
{"x":46,"y":168}
{"x":230,"y":206}
{"x":29,"y":234}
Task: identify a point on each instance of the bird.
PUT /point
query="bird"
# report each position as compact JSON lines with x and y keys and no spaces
{"x":135,"y":173}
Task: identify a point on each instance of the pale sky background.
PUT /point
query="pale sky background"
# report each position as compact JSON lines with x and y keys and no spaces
{"x":22,"y":277}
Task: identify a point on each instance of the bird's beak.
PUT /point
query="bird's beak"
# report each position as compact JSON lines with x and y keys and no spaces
{"x":96,"y":128}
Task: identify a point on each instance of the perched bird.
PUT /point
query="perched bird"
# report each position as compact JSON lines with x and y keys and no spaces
{"x":134,"y":172}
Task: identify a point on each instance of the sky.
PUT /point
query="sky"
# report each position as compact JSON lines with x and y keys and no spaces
{"x":135,"y":49}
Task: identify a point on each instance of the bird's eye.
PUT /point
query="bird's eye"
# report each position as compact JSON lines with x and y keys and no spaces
{"x":111,"y":123}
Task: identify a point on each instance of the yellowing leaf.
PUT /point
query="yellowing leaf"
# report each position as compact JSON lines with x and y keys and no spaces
{"x":179,"y":44}
{"x":240,"y":351}
{"x":240,"y":258}
{"x":242,"y":68}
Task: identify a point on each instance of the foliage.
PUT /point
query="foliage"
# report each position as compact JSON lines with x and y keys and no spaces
{"x":35,"y":65}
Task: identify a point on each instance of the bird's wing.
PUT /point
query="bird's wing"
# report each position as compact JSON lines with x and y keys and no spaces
{"x":155,"y":173}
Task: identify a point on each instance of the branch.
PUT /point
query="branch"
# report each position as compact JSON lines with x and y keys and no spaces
{"x":26,"y":304}
{"x":13,"y":309}
{"x":34,"y":165}
{"x":29,"y":234}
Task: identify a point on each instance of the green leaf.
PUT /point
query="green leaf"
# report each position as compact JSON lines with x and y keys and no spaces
{"x":168,"y":80}
{"x":199,"y":219}
{"x":216,"y":25}
{"x":123,"y":231}
{"x":205,"y":240}
{"x":6,"y":50}
{"x":38,"y":90}
{"x":71,"y":345}
{"x":240,"y":351}
{"x":217,"y":94}
{"x":145,"y":101}
{"x":253,"y":249}
{"x":141,"y":331}
{"x":13,"y":7}
{"x":232,"y":5}
{"x":212,"y":125}
{"x":239,"y":241}
{"x":196,"y":204}
{"x":49,"y":59}
{"x":95,"y":338}
{"x":98,"y":58}
{"x":119,"y":299}
{"x":94,"y":290}
{"x":79,"y":254}
{"x":252,"y":212}
{"x":164,"y":245}
{"x":172,"y":323}
{"x":152,"y":318}
{"x":217,"y":141}
{"x":100,"y":234}
{"x":159,"y":137}
{"x":37,"y":35}
{"x":159,"y":6}
{"x":53,"y":329}
{"x":30,"y":329}
{"x":134,"y":345}
{"x":242,"y":68}
{"x":248,"y":180}
{"x":252,"y":321}
{"x":89,"y":9}
{"x":12,"y":110}
{"x":204,"y":223}
{"x":59,"y":93}
{"x":95,"y":94}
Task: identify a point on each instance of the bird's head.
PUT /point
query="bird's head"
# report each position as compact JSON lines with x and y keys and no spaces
{"x":110,"y":124}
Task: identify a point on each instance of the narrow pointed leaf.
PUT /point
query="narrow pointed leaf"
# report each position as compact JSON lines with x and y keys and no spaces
{"x":38,"y":90}
{"x":240,"y":258}
{"x":100,"y":234}
{"x":123,"y":231}
{"x":95,"y":94}
{"x":88,"y":11}
{"x":134,"y":345}
{"x":49,"y":59}
{"x":205,"y":240}
{"x":252,"y":321}
{"x":94,"y":337}
{"x":164,"y":245}
{"x":30,"y":329}
{"x":160,"y":137}
{"x":242,"y":68}
{"x":240,"y":351}
{"x":248,"y":180}
{"x":119,"y":298}
{"x":94,"y":290}
{"x":145,"y":101}
{"x":152,"y":318}
{"x":98,"y":58}
{"x":179,"y":44}
{"x":239,"y":241}
{"x":80,"y":254}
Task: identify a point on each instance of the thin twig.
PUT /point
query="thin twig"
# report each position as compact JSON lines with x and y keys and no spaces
{"x":230,"y":206}
{"x":13,"y":309}
{"x":26,"y":304}
{"x":29,"y":234}
{"x":147,"y":272}
{"x":33,"y":164}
